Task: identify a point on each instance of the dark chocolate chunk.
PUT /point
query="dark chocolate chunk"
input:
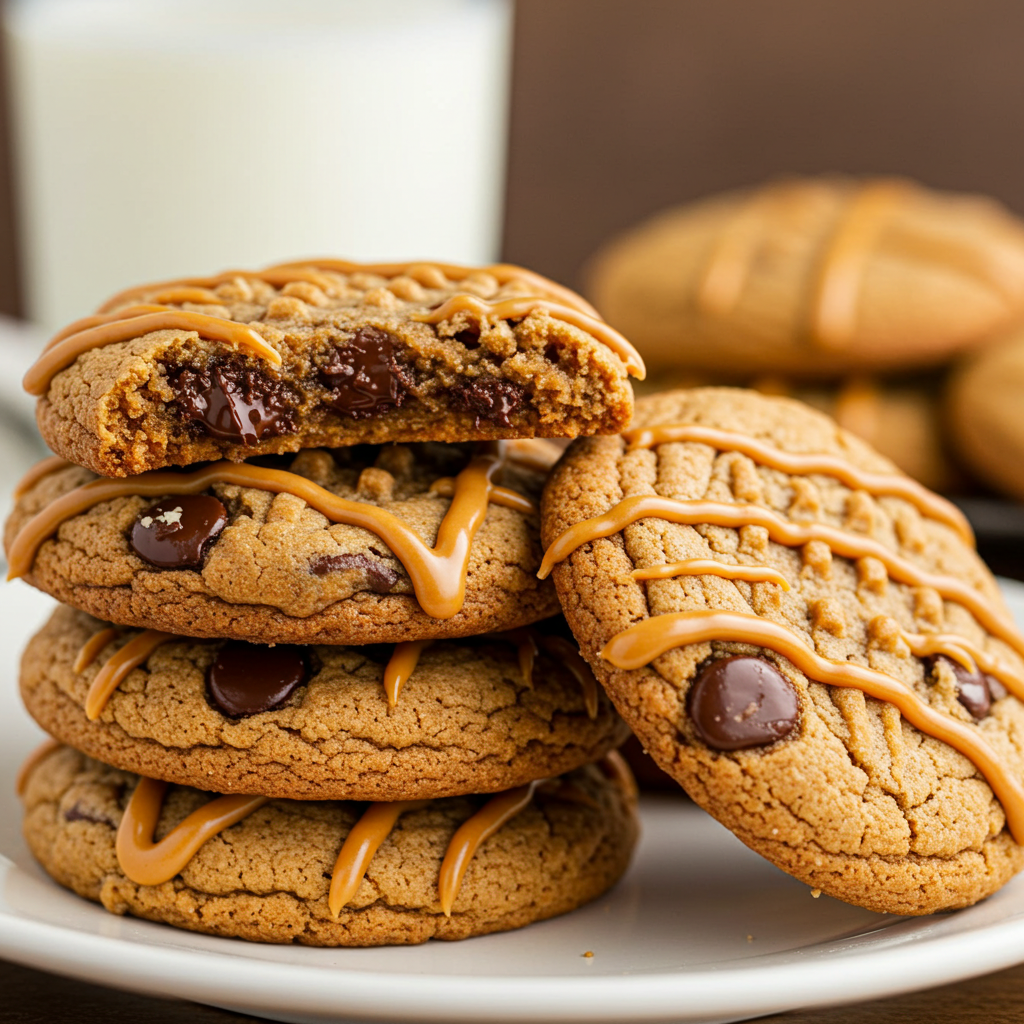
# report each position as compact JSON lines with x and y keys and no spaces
{"x":380,"y":578}
{"x":235,"y":402}
{"x":742,"y":702}
{"x":973,"y":689}
{"x":246,"y":679}
{"x":364,"y":377}
{"x":79,"y":812}
{"x":175,"y":533}
{"x":489,"y":398}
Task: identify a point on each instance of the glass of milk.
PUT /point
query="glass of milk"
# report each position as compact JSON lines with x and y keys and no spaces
{"x":165,"y":138}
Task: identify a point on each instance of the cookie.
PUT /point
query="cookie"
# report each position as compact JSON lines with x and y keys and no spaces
{"x":285,"y":871}
{"x":370,"y":544}
{"x":805,"y":639}
{"x":378,"y":722}
{"x":814,"y":276}
{"x":984,"y":404}
{"x":325,"y":354}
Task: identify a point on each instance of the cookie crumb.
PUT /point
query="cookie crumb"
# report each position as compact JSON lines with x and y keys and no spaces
{"x":815,"y":893}
{"x":589,"y":955}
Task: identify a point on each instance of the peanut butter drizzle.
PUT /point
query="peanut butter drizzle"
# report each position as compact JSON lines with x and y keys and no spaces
{"x":968,"y":654}
{"x":65,"y":351}
{"x":400,"y":666}
{"x":568,"y":654}
{"x":842,"y":542}
{"x":119,"y":665}
{"x":841,"y":272}
{"x":506,"y":309}
{"x":90,"y":650}
{"x":471,"y":834}
{"x":32,"y":762}
{"x":306,"y":270}
{"x":198,"y":296}
{"x":879,"y":484}
{"x":88,"y":322}
{"x":438,"y":574}
{"x":650,"y":638}
{"x":445,"y":487}
{"x":49,"y":465}
{"x":709,"y":567}
{"x":359,"y":847}
{"x":534,"y":453}
{"x":149,"y":863}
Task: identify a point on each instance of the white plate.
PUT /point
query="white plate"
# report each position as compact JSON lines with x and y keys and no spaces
{"x":701,"y":929}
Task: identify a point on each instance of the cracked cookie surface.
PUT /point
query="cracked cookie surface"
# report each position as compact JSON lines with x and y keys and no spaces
{"x":281,"y":572}
{"x":364,"y":359}
{"x":266,"y":878}
{"x":854,"y":800}
{"x":466,"y":720}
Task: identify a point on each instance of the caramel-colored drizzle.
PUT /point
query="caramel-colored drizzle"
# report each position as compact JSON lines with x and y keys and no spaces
{"x":842,"y":542}
{"x":149,"y":863}
{"x":444,"y":487}
{"x":90,"y":650}
{"x":116,"y":669}
{"x":507,"y":309}
{"x":401,"y":666}
{"x":893,"y":484}
{"x":532,"y":452}
{"x":32,"y":762}
{"x":41,"y":469}
{"x":526,"y":650}
{"x":64,"y":352}
{"x":841,"y":273}
{"x":360,"y":846}
{"x":650,"y":638}
{"x":438,"y":574}
{"x":972,"y":657}
{"x":709,"y":567}
{"x":431,"y":275}
{"x":99,"y":319}
{"x":568,"y":654}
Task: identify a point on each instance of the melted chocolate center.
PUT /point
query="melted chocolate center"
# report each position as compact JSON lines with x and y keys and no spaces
{"x":234,"y":402}
{"x":246,"y":678}
{"x":975,"y":690}
{"x":174,"y":534}
{"x":364,"y":377}
{"x":489,"y":398}
{"x":742,"y":702}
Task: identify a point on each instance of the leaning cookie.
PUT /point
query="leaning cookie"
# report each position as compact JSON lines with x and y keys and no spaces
{"x":805,"y":639}
{"x":815,"y":276}
{"x":380,"y":722}
{"x":324,"y":873}
{"x":328,"y":353}
{"x":363,"y":546}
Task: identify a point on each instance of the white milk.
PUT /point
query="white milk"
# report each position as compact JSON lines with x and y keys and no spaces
{"x":164,"y":138}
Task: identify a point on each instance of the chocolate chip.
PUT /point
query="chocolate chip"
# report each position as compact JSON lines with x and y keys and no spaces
{"x":364,"y":376}
{"x":488,"y":398}
{"x":79,"y":812}
{"x":973,"y":689}
{"x":246,"y":679}
{"x":234,"y":402}
{"x":742,"y":702}
{"x":175,"y":533}
{"x":380,"y":578}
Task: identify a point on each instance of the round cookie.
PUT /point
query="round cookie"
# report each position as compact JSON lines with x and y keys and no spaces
{"x":864,"y":740}
{"x":267,"y":877}
{"x":984,"y":403}
{"x":223,"y":716}
{"x":814,"y":276}
{"x":454,"y":555}
{"x":328,"y":353}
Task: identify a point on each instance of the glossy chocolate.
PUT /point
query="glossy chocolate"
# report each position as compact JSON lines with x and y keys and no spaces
{"x":235,"y":402}
{"x":742,"y":702}
{"x":364,"y":376}
{"x":175,"y":533}
{"x":246,"y":679}
{"x":973,"y":689}
{"x":380,"y":578}
{"x":489,"y":398}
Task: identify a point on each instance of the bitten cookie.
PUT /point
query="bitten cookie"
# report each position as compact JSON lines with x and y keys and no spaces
{"x":379,"y":722}
{"x":328,"y":353}
{"x":985,"y":404}
{"x":815,"y":276}
{"x":363,"y":546}
{"x":805,"y":639}
{"x":283,"y":871}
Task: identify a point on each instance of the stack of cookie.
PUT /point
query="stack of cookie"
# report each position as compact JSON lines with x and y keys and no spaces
{"x":894,"y":308}
{"x":300,"y":679}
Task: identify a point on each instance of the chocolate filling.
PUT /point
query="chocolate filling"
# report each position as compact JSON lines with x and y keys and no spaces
{"x":246,"y":679}
{"x":742,"y":702}
{"x":975,"y":690}
{"x":488,"y":398}
{"x":364,"y":376}
{"x":380,"y":578}
{"x":234,"y":402}
{"x":175,"y":533}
